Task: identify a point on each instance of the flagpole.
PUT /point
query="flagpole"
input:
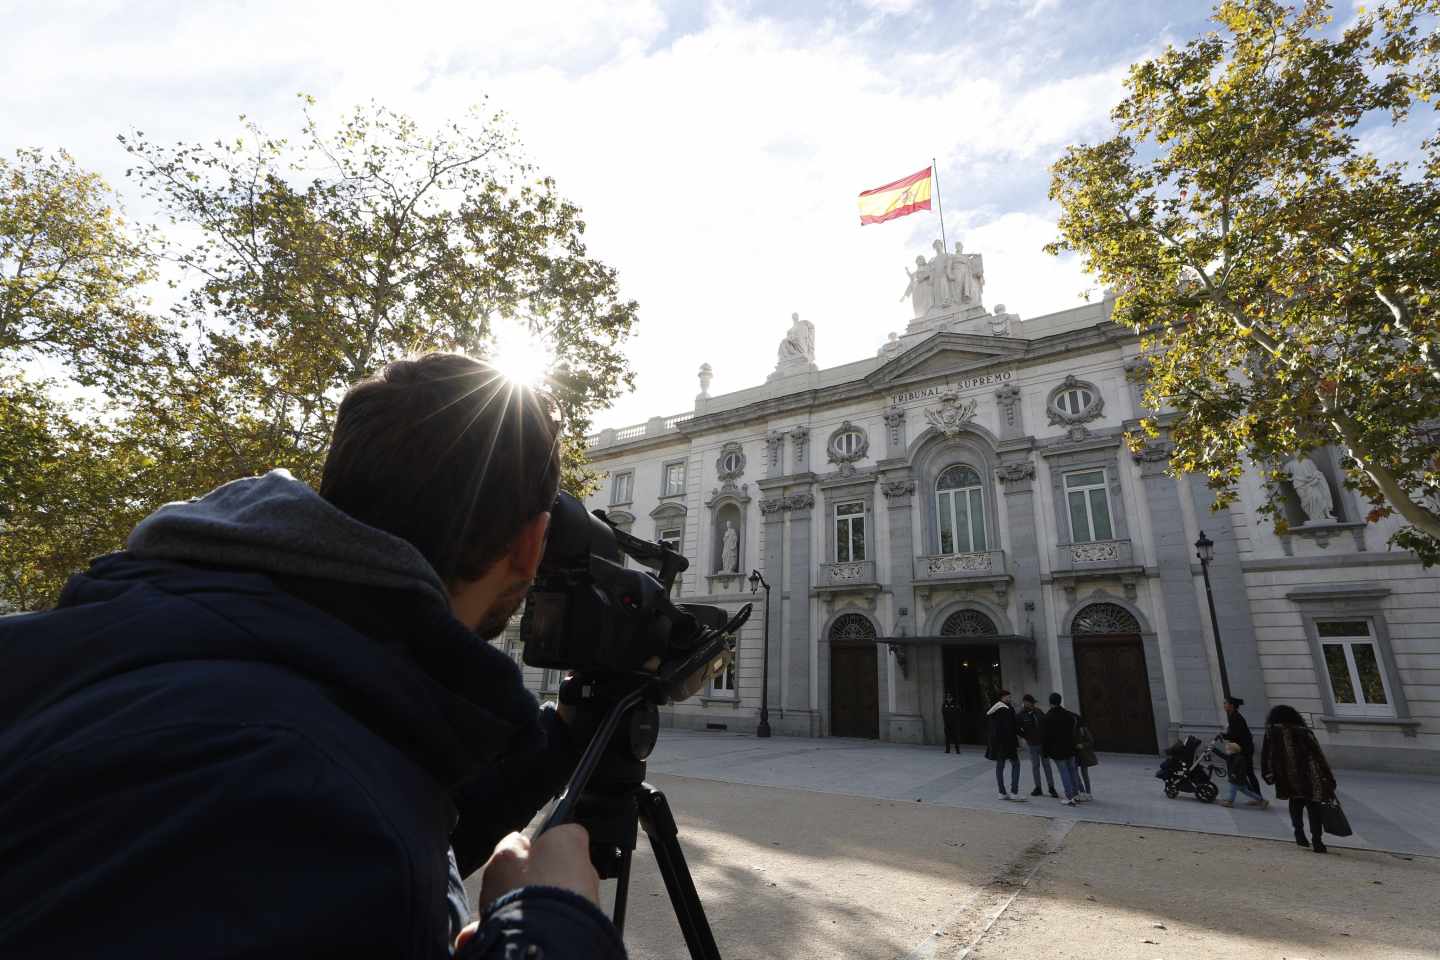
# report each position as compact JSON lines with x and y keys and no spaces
{"x":940,"y":207}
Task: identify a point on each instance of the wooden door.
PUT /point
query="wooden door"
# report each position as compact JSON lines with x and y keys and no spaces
{"x":854,"y":691}
{"x":1115,"y":693}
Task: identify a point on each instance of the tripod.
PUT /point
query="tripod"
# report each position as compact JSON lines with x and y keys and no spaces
{"x":608,"y":794}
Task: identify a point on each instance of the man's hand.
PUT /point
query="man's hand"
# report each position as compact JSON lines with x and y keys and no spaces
{"x":560,"y":857}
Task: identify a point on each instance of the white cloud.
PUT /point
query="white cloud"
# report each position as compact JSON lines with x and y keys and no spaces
{"x":718,"y":168}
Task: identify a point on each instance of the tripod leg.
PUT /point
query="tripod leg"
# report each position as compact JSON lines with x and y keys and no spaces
{"x":622,"y":892}
{"x":664,"y":836}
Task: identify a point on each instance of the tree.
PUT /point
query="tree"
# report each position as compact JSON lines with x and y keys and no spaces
{"x":320,"y":261}
{"x":1283,"y":278}
{"x":297,"y":270}
{"x":70,"y":271}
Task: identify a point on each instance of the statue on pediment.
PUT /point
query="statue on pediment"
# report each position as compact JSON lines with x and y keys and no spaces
{"x":919,"y":289}
{"x":799,"y":343}
{"x":969,"y":275}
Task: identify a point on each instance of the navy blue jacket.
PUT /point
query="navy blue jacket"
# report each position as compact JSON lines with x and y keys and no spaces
{"x":209,"y":762}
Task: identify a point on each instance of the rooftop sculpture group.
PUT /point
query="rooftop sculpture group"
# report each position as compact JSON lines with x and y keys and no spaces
{"x":947,"y":280}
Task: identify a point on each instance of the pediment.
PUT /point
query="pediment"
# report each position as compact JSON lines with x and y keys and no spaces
{"x":945,"y":354}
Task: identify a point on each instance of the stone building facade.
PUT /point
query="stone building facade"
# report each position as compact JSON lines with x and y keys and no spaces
{"x":961,"y":512}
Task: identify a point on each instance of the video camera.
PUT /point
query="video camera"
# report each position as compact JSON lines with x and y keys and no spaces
{"x":589,"y":613}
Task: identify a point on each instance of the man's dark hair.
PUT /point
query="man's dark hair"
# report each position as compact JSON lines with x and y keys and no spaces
{"x":445,"y":452}
{"x":1054,"y":699}
{"x":1028,"y":698}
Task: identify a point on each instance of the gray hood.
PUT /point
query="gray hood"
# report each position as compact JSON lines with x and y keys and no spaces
{"x":276,"y":524}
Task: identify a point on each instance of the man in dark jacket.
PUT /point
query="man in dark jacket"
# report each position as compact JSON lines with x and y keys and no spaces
{"x":1059,"y":730}
{"x":1004,"y":744}
{"x":1028,"y":725}
{"x":950,"y":719}
{"x":252,"y":732}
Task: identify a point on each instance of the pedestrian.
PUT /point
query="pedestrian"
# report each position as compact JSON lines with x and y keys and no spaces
{"x":1058,"y":734}
{"x":1240,"y":758}
{"x":1084,"y":758}
{"x":1292,"y":760}
{"x":950,"y":714}
{"x":1028,"y":726}
{"x":1004,"y":745}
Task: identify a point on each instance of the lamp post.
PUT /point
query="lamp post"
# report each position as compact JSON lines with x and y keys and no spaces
{"x":1205,"y":550}
{"x":763,"y":730}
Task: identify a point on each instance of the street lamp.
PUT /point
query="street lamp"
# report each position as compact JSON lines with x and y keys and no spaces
{"x":1205,"y":550}
{"x":756,"y":582}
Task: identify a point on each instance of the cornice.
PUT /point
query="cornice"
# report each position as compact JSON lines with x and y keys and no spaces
{"x":1101,"y":336}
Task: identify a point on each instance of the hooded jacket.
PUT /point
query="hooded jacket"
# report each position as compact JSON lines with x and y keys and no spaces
{"x":1004,"y":744}
{"x":252,"y":733}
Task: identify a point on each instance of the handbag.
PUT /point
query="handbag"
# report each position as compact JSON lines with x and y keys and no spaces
{"x":1334,"y":819}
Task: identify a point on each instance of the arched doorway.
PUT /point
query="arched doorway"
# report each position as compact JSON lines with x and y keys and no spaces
{"x":1114,"y":684}
{"x":854,"y":678}
{"x":971,"y":666}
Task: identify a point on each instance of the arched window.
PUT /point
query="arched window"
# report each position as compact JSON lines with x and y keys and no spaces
{"x":1105,"y":618}
{"x":960,"y":511}
{"x":968,"y":623}
{"x":852,"y":626}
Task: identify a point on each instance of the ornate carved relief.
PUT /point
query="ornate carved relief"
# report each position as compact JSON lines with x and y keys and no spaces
{"x":959,"y":563}
{"x":897,"y":488}
{"x":774,"y":450}
{"x":771,"y":507}
{"x":1008,"y":397}
{"x":1074,"y":402}
{"x":1154,"y":451}
{"x":952,"y":415}
{"x":895,"y":424}
{"x":800,"y":440}
{"x":1094,"y":552}
{"x":1015,"y":472}
{"x":847,"y":572}
{"x":731,"y":464}
{"x":847,"y":445}
{"x":795,"y":501}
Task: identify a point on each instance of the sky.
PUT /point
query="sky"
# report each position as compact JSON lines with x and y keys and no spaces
{"x":717,"y":149}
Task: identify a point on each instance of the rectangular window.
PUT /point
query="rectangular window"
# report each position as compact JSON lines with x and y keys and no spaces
{"x":849,"y":532}
{"x":674,"y":480}
{"x":1352,"y":662}
{"x":724,"y":684}
{"x":962,"y":520}
{"x":1089,"y":503}
{"x":550,"y":681}
{"x":621,"y":487}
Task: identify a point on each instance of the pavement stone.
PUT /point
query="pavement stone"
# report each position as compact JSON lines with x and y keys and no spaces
{"x":1389,"y":812}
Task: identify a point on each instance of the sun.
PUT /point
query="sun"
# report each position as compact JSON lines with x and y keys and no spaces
{"x":521,"y":356}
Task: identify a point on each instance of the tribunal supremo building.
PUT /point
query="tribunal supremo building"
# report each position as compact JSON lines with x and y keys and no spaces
{"x":960,"y":513}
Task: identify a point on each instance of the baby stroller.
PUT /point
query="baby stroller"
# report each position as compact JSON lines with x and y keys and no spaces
{"x":1187,"y":770}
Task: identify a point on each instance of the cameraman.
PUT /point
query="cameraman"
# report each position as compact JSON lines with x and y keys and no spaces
{"x":252,"y":732}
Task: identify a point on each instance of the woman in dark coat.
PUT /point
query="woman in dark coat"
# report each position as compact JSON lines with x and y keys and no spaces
{"x":1291,"y":759}
{"x":950,"y":714}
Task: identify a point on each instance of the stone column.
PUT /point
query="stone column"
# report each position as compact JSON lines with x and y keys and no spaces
{"x":1187,"y":623}
{"x":773,"y":517}
{"x":1232,"y":603}
{"x":904,"y":723}
{"x":801,"y":718}
{"x":1016,"y":474}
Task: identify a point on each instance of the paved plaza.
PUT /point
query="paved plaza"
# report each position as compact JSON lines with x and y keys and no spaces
{"x":818,"y":849}
{"x":1389,"y":812}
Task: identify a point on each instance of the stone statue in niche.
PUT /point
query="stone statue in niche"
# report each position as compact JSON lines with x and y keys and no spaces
{"x":1311,"y":487}
{"x":799,"y":342}
{"x":730,"y":549}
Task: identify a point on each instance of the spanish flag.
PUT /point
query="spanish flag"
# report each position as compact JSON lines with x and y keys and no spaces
{"x":898,"y":199}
